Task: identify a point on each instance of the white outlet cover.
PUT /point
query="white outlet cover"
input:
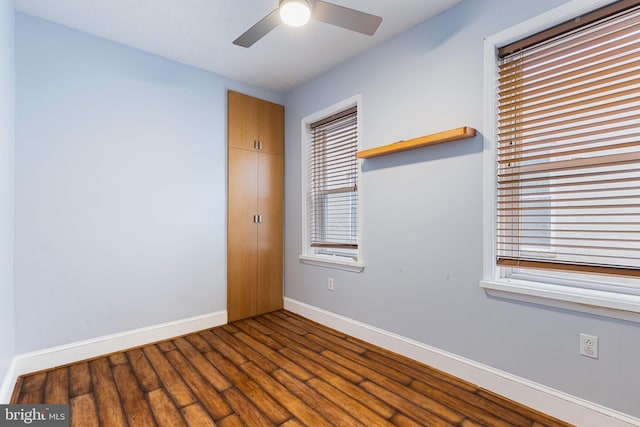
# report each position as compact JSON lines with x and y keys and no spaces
{"x":589,"y":345}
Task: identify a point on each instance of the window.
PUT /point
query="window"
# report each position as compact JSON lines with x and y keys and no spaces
{"x":331,"y":187}
{"x":565,"y":162}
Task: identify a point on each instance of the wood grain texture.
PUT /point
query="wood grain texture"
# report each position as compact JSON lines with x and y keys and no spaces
{"x":255,"y":189}
{"x":85,"y":413}
{"x":277,"y":369}
{"x":270,"y":232}
{"x":56,"y":389}
{"x":242,"y":234}
{"x":423,"y":141}
{"x":135,"y":406}
{"x":196,"y":416}
{"x":108,"y":401}
{"x":252,"y":119}
{"x":271,"y":127}
{"x":242,"y":117}
{"x":79,"y":379}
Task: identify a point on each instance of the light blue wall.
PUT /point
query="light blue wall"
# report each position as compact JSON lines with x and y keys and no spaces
{"x":422,"y":215}
{"x":120,"y":187}
{"x":120,"y":200}
{"x":7,"y":139}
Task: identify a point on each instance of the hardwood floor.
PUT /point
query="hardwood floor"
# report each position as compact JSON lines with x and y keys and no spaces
{"x":277,"y":369}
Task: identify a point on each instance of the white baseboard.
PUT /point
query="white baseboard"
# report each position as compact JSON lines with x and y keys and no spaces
{"x":6,"y":388}
{"x":558,"y":404}
{"x":81,"y":350}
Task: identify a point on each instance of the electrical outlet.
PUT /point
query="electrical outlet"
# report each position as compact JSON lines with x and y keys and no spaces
{"x":589,"y":345}
{"x":330,"y":283}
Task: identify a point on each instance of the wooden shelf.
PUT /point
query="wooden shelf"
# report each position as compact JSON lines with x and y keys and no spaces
{"x":423,"y":141}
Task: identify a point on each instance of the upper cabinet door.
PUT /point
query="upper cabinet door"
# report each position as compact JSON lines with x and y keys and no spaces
{"x":271,"y":127}
{"x":255,"y":124}
{"x":242,"y":121}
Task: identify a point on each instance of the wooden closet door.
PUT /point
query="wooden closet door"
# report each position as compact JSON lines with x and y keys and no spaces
{"x":270,"y":232}
{"x":271,"y":127}
{"x":242,"y":120}
{"x":242,"y":234}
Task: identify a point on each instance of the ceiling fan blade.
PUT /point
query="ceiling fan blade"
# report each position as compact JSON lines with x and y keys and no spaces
{"x":259,"y":30}
{"x":344,"y":17}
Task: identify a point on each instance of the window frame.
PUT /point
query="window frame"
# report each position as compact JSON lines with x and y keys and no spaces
{"x":596,"y":295}
{"x":310,"y":255}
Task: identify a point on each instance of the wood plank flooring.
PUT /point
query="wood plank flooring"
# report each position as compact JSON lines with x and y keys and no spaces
{"x":277,"y":369}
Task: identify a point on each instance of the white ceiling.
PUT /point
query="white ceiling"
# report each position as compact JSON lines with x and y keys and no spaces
{"x":200,"y":32}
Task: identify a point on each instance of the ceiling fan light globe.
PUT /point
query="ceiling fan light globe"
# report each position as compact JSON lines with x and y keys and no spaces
{"x":295,"y":13}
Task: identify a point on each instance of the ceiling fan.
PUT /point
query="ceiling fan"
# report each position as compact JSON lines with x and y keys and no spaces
{"x":298,"y":12}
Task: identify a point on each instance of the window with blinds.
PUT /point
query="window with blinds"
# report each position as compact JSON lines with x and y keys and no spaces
{"x":568,"y":147}
{"x":332,"y":184}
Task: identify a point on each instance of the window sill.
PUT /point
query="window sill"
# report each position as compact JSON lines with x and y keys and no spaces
{"x":332,"y":262}
{"x":598,"y":302}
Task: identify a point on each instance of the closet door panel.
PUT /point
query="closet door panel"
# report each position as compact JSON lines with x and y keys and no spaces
{"x":271,"y":127}
{"x":242,"y":120}
{"x":270,"y":232}
{"x":242,"y":234}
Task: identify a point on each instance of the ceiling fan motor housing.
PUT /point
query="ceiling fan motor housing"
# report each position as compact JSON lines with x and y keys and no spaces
{"x":295,"y":13}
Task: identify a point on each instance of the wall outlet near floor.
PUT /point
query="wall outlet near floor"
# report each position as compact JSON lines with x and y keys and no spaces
{"x":589,"y":345}
{"x":330,"y":283}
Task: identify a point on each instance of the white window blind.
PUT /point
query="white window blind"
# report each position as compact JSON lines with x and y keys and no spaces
{"x":568,"y":162}
{"x":333,"y":182}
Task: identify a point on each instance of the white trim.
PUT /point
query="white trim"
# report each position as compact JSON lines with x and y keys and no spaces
{"x":332,"y":262}
{"x":556,"y":403}
{"x":489,"y":180}
{"x":306,"y":256}
{"x":81,"y":350}
{"x":593,"y":301}
{"x":547,"y":20}
{"x":6,"y":388}
{"x":599,"y":299}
